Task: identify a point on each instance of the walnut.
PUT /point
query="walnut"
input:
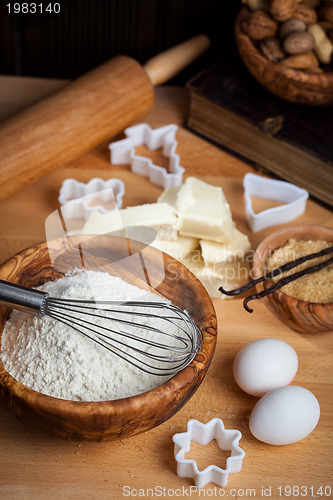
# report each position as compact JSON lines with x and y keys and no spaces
{"x":281,"y":10}
{"x":258,"y":25}
{"x":305,"y":14}
{"x":272,"y":49}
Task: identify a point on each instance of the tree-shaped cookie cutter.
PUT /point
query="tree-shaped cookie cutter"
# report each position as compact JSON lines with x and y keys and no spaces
{"x":203,"y":434}
{"x":123,"y":152}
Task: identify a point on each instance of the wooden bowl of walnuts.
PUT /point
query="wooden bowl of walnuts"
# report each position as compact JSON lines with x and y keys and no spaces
{"x":287,"y":46}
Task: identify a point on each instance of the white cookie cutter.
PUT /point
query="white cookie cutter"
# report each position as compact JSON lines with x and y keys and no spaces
{"x":76,"y":197}
{"x":203,"y":434}
{"x":293,"y":196}
{"x":123,"y":152}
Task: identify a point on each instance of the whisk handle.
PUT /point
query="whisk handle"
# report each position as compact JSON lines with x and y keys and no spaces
{"x":22,"y":298}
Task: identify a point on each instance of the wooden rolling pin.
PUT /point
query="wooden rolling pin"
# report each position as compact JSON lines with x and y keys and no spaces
{"x":85,"y":112}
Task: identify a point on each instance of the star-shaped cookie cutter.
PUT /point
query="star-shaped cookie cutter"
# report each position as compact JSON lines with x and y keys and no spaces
{"x":203,"y":434}
{"x":123,"y":152}
{"x":293,"y":197}
{"x":76,"y":197}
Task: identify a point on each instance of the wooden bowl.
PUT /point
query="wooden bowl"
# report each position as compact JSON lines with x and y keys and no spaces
{"x":314,"y":89}
{"x":300,"y":315}
{"x":108,"y":420}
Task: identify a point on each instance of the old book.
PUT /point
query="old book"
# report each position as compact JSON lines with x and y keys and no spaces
{"x":294,"y":142}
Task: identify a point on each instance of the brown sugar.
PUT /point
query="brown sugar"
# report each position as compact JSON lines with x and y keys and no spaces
{"x":316,"y":287}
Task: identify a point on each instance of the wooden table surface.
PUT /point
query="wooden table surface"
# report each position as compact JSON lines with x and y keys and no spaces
{"x":34,"y":465}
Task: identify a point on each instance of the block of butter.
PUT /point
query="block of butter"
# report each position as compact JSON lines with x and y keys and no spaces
{"x":202,"y":210}
{"x":178,"y":249}
{"x":159,"y":216}
{"x":229,"y":275}
{"x":214,"y":253}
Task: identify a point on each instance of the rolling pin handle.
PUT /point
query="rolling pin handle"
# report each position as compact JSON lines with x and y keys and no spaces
{"x":166,"y":65}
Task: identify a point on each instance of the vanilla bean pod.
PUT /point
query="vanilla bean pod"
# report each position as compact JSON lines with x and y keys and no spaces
{"x":276,"y":272}
{"x":285,"y":281}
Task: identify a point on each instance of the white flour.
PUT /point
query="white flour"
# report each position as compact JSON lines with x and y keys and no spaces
{"x":54,"y":359}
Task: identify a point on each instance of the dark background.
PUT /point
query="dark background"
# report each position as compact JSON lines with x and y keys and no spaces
{"x":88,"y":32}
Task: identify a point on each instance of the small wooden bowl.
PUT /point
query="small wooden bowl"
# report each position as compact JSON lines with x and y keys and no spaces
{"x":314,"y":89}
{"x":108,"y":420}
{"x":300,"y":315}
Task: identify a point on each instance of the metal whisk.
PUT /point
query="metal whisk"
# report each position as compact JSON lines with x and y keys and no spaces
{"x":156,"y":337}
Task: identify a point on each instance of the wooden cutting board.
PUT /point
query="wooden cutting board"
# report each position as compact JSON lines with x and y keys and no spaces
{"x":34,"y":465}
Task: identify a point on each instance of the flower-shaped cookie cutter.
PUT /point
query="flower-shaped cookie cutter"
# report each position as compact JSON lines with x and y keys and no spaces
{"x":293,"y":197}
{"x":76,"y":197}
{"x":203,"y":434}
{"x":123,"y":152}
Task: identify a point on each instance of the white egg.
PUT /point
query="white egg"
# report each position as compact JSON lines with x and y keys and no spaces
{"x":264,"y":365}
{"x":285,"y":415}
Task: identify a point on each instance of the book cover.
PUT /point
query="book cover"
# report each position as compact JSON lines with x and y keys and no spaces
{"x":293,"y":141}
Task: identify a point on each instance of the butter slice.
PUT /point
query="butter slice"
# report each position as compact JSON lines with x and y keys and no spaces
{"x":214,"y":253}
{"x":229,"y":275}
{"x":217,"y":229}
{"x":203,"y":211}
{"x":170,"y":196}
{"x":196,"y":195}
{"x":159,"y":216}
{"x":99,"y":223}
{"x":179,"y":249}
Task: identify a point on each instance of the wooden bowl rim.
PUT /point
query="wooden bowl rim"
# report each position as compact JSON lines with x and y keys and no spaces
{"x":261,"y":249}
{"x":63,"y":406}
{"x":291,"y":73}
